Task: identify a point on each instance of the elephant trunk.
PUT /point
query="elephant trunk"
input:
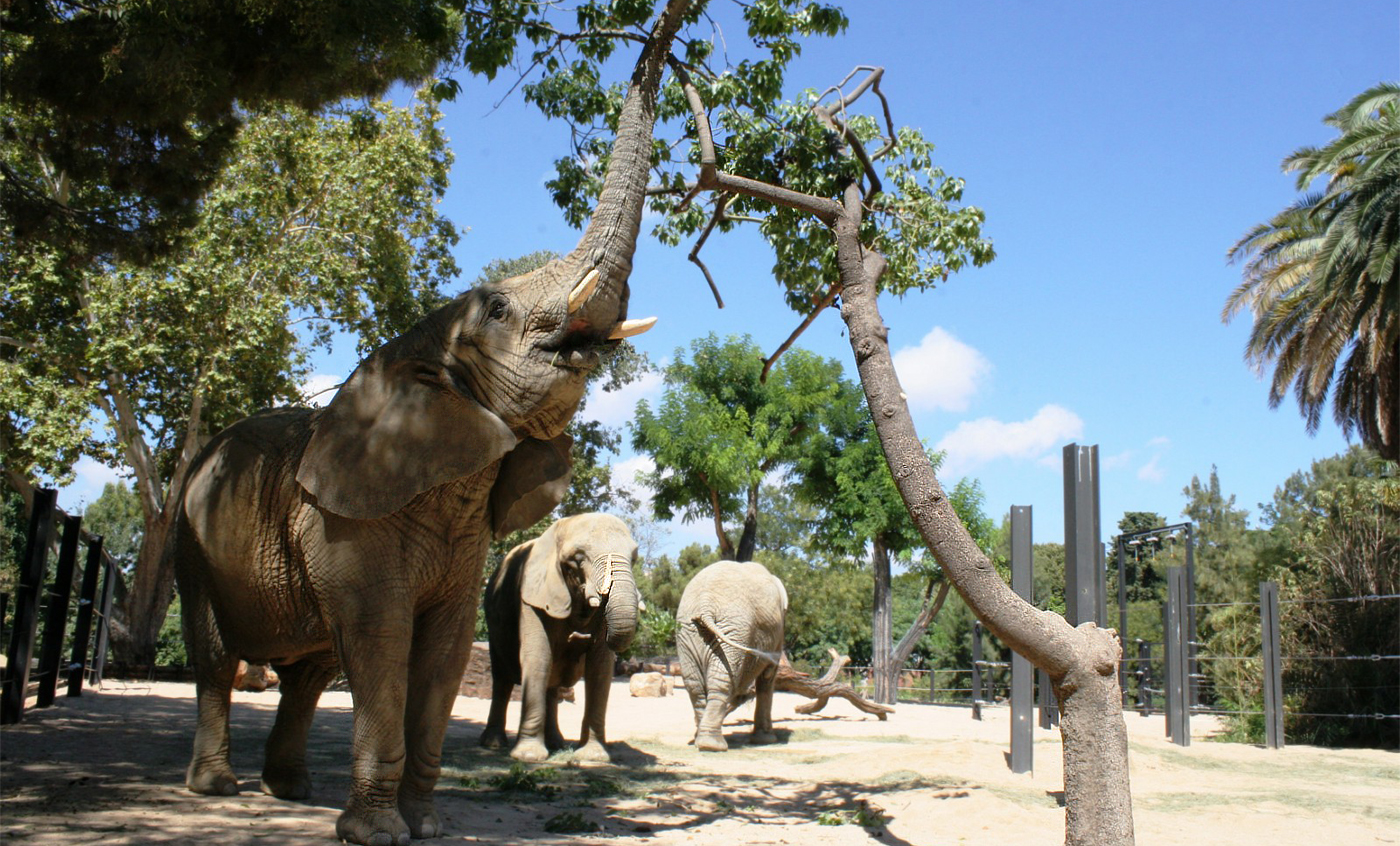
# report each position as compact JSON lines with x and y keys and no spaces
{"x":621,"y":609}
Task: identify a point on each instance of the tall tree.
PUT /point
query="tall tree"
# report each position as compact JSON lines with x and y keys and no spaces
{"x":1322,"y":277}
{"x":119,"y":114}
{"x":170,"y":352}
{"x":720,"y":429}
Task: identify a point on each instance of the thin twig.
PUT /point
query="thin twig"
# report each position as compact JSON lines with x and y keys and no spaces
{"x":822,"y":305}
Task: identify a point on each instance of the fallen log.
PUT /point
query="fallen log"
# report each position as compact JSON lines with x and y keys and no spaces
{"x":823,"y":688}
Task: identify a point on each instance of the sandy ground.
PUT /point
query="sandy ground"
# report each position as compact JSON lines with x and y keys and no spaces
{"x":108,"y":768}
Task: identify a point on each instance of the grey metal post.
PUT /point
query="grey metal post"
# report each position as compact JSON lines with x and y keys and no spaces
{"x":82,"y":628}
{"x":977,"y":670}
{"x":1049,"y":707}
{"x":1022,"y":673}
{"x":1273,"y":665}
{"x":1193,"y":664}
{"x":99,"y":649}
{"x":51,"y":650}
{"x":1144,"y":677}
{"x":21,"y":648}
{"x":1122,"y":622}
{"x":1178,"y":682}
{"x":1084,"y":581}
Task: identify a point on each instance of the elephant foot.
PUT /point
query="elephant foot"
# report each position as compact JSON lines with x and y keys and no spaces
{"x":555,"y":742}
{"x":530,"y":750}
{"x":383,"y":827}
{"x":211,"y":780}
{"x":594,"y":752}
{"x":493,"y":738}
{"x":760,"y":738}
{"x":292,"y":782}
{"x":711,"y":742}
{"x":421,"y":816}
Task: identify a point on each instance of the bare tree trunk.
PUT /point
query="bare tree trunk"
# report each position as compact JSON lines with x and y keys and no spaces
{"x":149,"y":598}
{"x":927,"y":614}
{"x":882,"y":667}
{"x":822,"y":689}
{"x":749,"y":538}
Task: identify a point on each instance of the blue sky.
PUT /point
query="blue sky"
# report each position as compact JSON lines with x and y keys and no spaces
{"x":1118,"y":150}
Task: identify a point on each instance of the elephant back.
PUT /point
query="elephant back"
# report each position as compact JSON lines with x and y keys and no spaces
{"x":742,"y":601}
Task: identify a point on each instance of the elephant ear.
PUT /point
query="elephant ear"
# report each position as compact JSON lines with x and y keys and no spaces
{"x":396,"y":429}
{"x":782,"y":593}
{"x":534,"y":477}
{"x":542,"y":585}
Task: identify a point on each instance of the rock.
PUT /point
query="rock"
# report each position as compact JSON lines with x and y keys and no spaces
{"x":254,"y":678}
{"x":649,"y":684}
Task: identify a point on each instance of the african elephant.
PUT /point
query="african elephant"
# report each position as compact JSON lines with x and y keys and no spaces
{"x":729,"y":637}
{"x":560,"y":608}
{"x":356,"y":535}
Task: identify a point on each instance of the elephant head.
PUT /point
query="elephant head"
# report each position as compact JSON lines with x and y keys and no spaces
{"x":583,"y":564}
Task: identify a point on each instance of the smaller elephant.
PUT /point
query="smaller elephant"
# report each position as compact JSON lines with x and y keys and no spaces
{"x":730,"y":640}
{"x":560,"y":608}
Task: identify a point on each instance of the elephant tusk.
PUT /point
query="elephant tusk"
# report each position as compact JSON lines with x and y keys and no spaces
{"x":583,"y":290}
{"x":628,"y":328}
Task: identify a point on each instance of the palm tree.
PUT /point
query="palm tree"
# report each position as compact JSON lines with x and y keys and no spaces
{"x":1322,"y":278}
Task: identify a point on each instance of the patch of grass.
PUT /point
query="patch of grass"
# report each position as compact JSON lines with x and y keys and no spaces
{"x":571,"y":822}
{"x":525,"y":779}
{"x":863,"y":814}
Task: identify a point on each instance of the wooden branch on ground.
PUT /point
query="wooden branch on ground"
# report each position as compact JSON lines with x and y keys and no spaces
{"x":822,"y":689}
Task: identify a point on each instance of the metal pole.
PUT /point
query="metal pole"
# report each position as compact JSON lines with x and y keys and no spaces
{"x":1144,"y":677}
{"x":21,"y":648}
{"x":1049,"y":707}
{"x":1193,"y":664}
{"x":82,"y":629}
{"x":1122,"y":623}
{"x":1083,"y":549}
{"x":1174,"y":636}
{"x":51,"y":651}
{"x":1273,"y":665}
{"x":977,"y":670}
{"x":99,"y":650}
{"x":1022,"y":673}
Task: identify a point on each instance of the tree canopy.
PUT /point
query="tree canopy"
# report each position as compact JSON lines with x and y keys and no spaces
{"x":1322,"y":277}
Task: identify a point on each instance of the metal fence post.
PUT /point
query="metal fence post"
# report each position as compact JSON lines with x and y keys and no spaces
{"x":51,"y":650}
{"x":977,"y":670}
{"x":1175,"y":637}
{"x":82,"y":628}
{"x":1084,"y":578}
{"x":21,"y":648}
{"x":1273,"y":665}
{"x":1144,"y":677}
{"x":1049,"y":706}
{"x":1022,"y":673}
{"x":99,"y":649}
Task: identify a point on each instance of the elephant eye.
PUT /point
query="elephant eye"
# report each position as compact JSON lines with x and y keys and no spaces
{"x":497,"y":308}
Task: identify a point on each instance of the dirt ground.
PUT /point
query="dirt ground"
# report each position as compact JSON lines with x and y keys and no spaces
{"x":108,"y":768}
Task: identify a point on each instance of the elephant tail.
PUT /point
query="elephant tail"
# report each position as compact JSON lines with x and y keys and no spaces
{"x":707,"y":622}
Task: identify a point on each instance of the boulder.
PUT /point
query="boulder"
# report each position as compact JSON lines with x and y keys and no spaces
{"x":254,"y":678}
{"x":649,"y":684}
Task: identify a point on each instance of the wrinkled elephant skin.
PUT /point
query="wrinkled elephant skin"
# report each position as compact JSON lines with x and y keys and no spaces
{"x":729,"y":637}
{"x":558,"y":609}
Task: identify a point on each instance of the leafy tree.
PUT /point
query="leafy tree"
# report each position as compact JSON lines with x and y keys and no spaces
{"x":1336,"y":536}
{"x":720,"y":429}
{"x":119,"y":114}
{"x":325,"y":221}
{"x":117,"y":516}
{"x":1322,"y":277}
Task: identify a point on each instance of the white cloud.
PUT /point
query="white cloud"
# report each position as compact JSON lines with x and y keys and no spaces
{"x":1160,"y":441}
{"x":976,"y":442}
{"x":320,"y":388}
{"x":614,"y":408}
{"x":1151,"y":472}
{"x":941,"y":372}
{"x":91,"y":477}
{"x":1118,"y":461}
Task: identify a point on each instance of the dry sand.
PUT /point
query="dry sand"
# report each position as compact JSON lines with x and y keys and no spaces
{"x":108,"y":768}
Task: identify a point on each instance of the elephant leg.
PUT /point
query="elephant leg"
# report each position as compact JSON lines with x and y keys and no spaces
{"x":553,"y":737}
{"x":535,"y":657}
{"x":284,"y":772}
{"x":494,"y":735}
{"x":210,"y":771}
{"x":763,"y":708}
{"x":709,"y":737}
{"x":376,"y":668}
{"x":441,"y":648}
{"x":597,"y":684}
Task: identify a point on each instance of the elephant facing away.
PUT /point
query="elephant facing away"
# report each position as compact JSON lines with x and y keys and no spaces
{"x":729,"y":637}
{"x":560,"y":608}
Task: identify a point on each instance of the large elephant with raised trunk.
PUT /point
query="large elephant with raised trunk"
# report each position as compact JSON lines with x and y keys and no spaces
{"x":560,"y":608}
{"x":354,"y":537}
{"x":729,"y":637}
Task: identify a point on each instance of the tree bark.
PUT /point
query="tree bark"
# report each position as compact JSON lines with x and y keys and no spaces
{"x":748,"y":539}
{"x":927,"y":614}
{"x":882,"y":667}
{"x":822,"y":689}
{"x":152,"y":589}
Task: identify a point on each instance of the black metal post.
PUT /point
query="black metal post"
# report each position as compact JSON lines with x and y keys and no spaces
{"x":82,"y":628}
{"x":1122,"y":622}
{"x":1084,"y":581}
{"x":1022,"y":673}
{"x":51,"y":651}
{"x":1273,"y":665}
{"x":21,"y":648}
{"x":1178,"y":681}
{"x":99,"y":649}
{"x":1049,"y":705}
{"x":1193,"y":664}
{"x":1144,"y":677}
{"x":977,"y":670}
